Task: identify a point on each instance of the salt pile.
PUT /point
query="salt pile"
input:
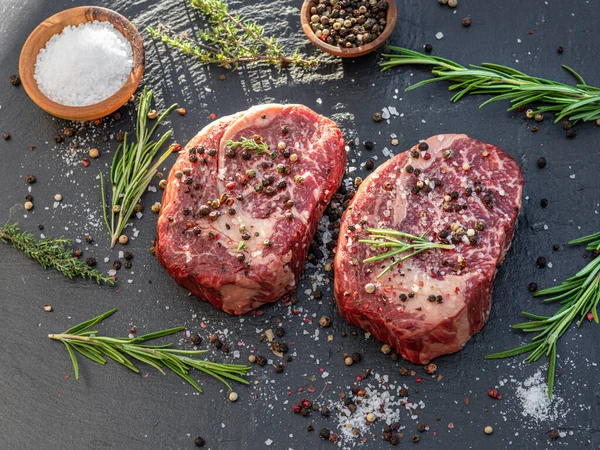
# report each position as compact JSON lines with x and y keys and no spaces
{"x":84,"y":65}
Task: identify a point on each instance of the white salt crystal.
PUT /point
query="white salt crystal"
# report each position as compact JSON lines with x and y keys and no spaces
{"x":439,"y":35}
{"x":84,"y":65}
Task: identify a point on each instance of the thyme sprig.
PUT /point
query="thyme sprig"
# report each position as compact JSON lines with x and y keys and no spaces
{"x":56,"y":253}
{"x":132,"y":169}
{"x":388,"y":239}
{"x":579,"y":296}
{"x":84,"y":341}
{"x":579,"y":102}
{"x":256,"y":145}
{"x":230,"y":41}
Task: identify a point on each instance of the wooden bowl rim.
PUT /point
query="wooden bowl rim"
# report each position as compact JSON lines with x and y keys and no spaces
{"x":105,"y":107}
{"x":392,"y":17}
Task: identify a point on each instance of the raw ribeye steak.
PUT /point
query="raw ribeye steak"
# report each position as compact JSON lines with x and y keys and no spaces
{"x":243,"y":201}
{"x":457,"y":191}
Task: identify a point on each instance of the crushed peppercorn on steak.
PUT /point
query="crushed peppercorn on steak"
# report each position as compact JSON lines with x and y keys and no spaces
{"x":453,"y":190}
{"x":243,"y":201}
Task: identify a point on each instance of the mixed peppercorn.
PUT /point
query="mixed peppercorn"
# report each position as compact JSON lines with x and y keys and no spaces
{"x":348,"y":23}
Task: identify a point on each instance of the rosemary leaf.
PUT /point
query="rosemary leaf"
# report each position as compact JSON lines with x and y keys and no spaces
{"x":579,"y":296}
{"x":579,"y":102}
{"x":132,"y":169}
{"x":54,"y":253}
{"x":82,"y":340}
{"x":411,"y":246}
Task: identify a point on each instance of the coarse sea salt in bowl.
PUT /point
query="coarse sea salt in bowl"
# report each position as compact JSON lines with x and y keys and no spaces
{"x":83,"y":63}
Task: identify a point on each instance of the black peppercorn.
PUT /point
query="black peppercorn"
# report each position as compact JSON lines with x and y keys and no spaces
{"x":368,"y":145}
{"x":571,"y":133}
{"x":356,"y":357}
{"x":466,"y":22}
{"x":409,"y":169}
{"x":559,"y":50}
{"x":261,"y":360}
{"x":30,"y":179}
{"x":414,"y":154}
{"x":377,"y":117}
{"x":116,"y":264}
{"x":91,"y":261}
{"x":77,"y":252}
{"x":416,"y":438}
{"x":544,"y":202}
{"x":280,"y":368}
{"x":369,"y":164}
{"x":127,"y":265}
{"x":421,"y":427}
{"x":128,"y":256}
{"x":403,"y":297}
{"x":280,"y":332}
{"x":423,"y":147}
{"x":15,"y":80}
{"x":196,"y":339}
{"x":325,"y":412}
{"x":567,"y":125}
{"x":324,"y":434}
{"x":199,"y":442}
{"x":541,"y":262}
{"x":532,"y":287}
{"x":428,"y":48}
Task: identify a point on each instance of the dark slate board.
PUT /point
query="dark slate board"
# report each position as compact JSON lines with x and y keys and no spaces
{"x":112,"y":408}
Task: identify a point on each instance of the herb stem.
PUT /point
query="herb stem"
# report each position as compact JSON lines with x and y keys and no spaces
{"x":579,"y":102}
{"x":382,"y":238}
{"x":579,"y":296}
{"x":132,"y":168}
{"x":55,"y":253}
{"x":78,"y":339}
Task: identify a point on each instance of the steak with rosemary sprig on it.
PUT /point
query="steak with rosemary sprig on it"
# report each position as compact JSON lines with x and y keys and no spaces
{"x":243,"y":202}
{"x":455,"y":190}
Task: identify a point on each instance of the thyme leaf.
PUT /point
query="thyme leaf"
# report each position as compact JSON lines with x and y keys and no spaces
{"x":133,"y":168}
{"x":230,"y":40}
{"x":256,"y":145}
{"x":578,"y":295}
{"x":80,"y":339}
{"x":54,"y":253}
{"x":579,"y":102}
{"x":382,"y":238}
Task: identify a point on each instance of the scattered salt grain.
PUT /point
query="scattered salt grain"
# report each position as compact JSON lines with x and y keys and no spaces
{"x":84,"y":65}
{"x":533,"y":395}
{"x":439,"y":35}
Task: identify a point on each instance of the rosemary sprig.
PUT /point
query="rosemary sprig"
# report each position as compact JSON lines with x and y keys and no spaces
{"x":230,"y":41}
{"x":54,"y":253}
{"x":386,"y":238}
{"x":579,"y":102}
{"x":579,"y":296}
{"x":132,"y":169}
{"x":256,"y":145}
{"x":84,"y":341}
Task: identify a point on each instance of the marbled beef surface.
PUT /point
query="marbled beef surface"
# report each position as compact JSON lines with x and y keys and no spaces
{"x":431,"y":304}
{"x":264,"y":208}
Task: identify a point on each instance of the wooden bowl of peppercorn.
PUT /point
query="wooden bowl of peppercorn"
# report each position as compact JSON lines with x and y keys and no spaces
{"x":348,"y":28}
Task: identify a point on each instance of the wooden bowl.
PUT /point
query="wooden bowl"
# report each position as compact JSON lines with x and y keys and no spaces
{"x":55,"y":25}
{"x":392,"y":16}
